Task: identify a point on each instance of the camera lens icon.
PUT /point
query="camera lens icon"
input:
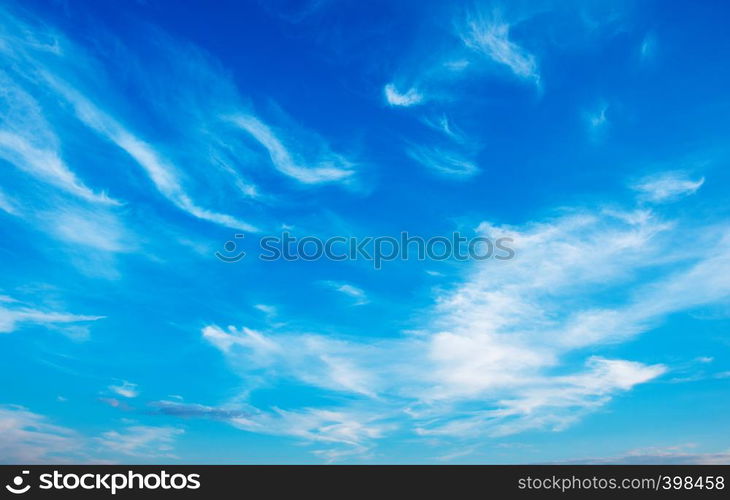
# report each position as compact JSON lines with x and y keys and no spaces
{"x":17,"y":487}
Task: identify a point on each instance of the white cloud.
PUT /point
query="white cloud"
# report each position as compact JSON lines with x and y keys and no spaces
{"x":7,"y":204}
{"x":141,"y":441}
{"x":28,"y":142}
{"x":667,"y":186}
{"x":683,"y":454}
{"x":28,"y":438}
{"x":12,"y":317}
{"x":357,"y":294}
{"x":312,"y":424}
{"x":647,"y":50}
{"x":326,"y":166}
{"x":125,"y":389}
{"x":597,"y":119}
{"x":492,"y":359}
{"x":326,"y":363}
{"x":444,"y":125}
{"x":95,"y":229}
{"x":162,"y":173}
{"x":443,"y":162}
{"x":553,"y":403}
{"x":490,"y":37}
{"x":266,"y":309}
{"x":394,"y":97}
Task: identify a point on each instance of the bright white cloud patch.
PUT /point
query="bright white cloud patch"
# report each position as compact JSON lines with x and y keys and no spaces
{"x":125,"y":389}
{"x":411,"y":97}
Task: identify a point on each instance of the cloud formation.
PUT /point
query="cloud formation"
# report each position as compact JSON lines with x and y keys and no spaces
{"x":667,"y":186}
{"x":489,"y":36}
{"x":13,"y":315}
{"x":490,"y":361}
{"x":394,"y":97}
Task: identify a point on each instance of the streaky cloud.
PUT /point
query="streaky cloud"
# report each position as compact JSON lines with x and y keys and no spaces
{"x":328,"y":167}
{"x":162,"y":173}
{"x":441,"y":161}
{"x":30,"y":438}
{"x":28,"y":142}
{"x":141,"y":440}
{"x":357,"y":294}
{"x":667,"y":186}
{"x":13,"y":316}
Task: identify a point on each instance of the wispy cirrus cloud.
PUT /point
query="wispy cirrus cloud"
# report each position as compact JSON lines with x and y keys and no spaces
{"x":489,"y":35}
{"x":326,"y":166}
{"x":14,"y":315}
{"x":204,"y":115}
{"x":35,"y":70}
{"x":29,"y":438}
{"x":667,"y":186}
{"x":320,"y":361}
{"x":28,"y":142}
{"x":141,"y":441}
{"x":7,"y":204}
{"x":443,"y":162}
{"x":491,"y":359}
{"x":683,"y":454}
{"x":162,"y":174}
{"x":357,"y":294}
{"x":343,"y":432}
{"x":32,"y":438}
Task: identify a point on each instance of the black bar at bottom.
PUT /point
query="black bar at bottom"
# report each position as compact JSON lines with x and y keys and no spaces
{"x":367,"y":481}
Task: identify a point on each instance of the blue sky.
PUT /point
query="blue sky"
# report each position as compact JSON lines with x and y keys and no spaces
{"x":136,"y":138}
